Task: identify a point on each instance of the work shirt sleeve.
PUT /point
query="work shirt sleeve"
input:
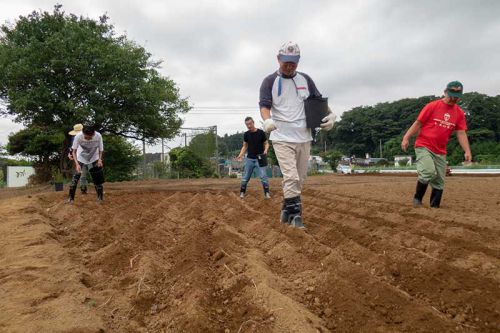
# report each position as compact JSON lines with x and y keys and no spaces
{"x":266,"y":92}
{"x":425,"y":114}
{"x":76,"y":142}
{"x":101,"y":144}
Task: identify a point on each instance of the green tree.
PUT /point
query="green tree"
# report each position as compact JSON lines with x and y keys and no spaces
{"x":189,"y":165}
{"x":204,"y":145}
{"x":332,"y":158}
{"x":230,"y":145}
{"x":58,"y":69}
{"x":121,"y":158}
{"x":41,"y":143}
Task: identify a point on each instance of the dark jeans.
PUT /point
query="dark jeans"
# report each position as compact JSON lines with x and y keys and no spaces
{"x":76,"y":178}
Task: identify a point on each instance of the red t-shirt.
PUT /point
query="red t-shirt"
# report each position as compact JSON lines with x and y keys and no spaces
{"x":439,"y":120}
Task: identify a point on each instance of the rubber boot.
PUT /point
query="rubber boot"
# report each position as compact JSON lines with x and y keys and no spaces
{"x":436,"y":198}
{"x":243,"y":189}
{"x":294,"y":209}
{"x":100,"y":193}
{"x":71,"y":197}
{"x":284,"y":214}
{"x":267,"y":195}
{"x":419,"y":194}
{"x":83,"y":189}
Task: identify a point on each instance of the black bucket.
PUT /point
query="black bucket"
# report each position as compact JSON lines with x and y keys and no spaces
{"x":262,"y":159}
{"x":59,"y":187}
{"x":97,"y":174}
{"x":316,"y":109}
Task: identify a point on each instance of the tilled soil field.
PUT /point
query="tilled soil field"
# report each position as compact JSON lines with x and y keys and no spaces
{"x":191,"y":256}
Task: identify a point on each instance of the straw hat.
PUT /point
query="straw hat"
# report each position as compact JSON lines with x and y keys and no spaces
{"x":76,"y":129}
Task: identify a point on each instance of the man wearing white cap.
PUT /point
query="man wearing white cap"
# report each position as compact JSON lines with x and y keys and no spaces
{"x":282,"y":96}
{"x":83,"y":179}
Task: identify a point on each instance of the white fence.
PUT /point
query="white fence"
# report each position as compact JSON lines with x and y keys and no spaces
{"x":17,"y":176}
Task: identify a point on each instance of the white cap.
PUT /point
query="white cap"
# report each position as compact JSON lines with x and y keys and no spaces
{"x":289,"y":52}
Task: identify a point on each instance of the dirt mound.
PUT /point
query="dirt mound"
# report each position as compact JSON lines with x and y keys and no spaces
{"x":194,"y":257}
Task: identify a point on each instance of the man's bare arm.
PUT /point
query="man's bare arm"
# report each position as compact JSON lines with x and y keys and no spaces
{"x":464,"y":143}
{"x":242,"y":151}
{"x":412,"y":131}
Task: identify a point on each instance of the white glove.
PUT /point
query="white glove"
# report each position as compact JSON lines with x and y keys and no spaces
{"x":269,"y":125}
{"x":327,"y":122}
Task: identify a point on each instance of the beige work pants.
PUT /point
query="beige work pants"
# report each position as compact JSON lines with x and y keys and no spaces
{"x":293,"y":159}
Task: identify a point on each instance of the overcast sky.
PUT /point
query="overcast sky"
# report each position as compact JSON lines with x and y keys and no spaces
{"x":357,"y":52}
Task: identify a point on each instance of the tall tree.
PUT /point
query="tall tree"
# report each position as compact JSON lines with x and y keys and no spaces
{"x":58,"y":69}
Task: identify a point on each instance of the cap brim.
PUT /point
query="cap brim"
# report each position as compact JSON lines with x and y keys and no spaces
{"x":289,"y":58}
{"x":73,"y":133}
{"x":455,"y":94}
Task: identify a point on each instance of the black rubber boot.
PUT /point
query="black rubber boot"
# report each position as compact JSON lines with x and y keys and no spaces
{"x":436,"y":198}
{"x":267,"y":195}
{"x":243,"y":189}
{"x":284,"y":213}
{"x":419,"y":194}
{"x":294,"y":209}
{"x":100,"y":193}
{"x":72,"y":192}
{"x":73,"y":187}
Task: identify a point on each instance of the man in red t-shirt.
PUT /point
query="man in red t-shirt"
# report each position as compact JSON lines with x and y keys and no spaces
{"x":433,"y":127}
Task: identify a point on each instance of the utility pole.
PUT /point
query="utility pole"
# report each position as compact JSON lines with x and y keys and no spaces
{"x":216,"y":151}
{"x":144,"y":159}
{"x":380,"y":142}
{"x":163,"y":150}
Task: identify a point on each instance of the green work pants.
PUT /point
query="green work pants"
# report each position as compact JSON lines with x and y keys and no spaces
{"x":431,"y":168}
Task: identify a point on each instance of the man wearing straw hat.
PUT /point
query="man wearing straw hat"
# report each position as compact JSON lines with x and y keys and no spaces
{"x":83,"y":179}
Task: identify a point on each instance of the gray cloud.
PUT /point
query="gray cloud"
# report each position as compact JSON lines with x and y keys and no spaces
{"x":358,"y":52}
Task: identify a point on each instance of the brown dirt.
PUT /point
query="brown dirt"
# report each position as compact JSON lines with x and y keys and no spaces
{"x":190,"y":256}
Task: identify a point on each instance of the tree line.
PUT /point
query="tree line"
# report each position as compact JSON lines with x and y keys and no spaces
{"x":363,"y":129}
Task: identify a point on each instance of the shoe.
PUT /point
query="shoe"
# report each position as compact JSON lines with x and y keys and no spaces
{"x":242,"y":195}
{"x":267,"y":195}
{"x":419,"y":194}
{"x":436,"y":198}
{"x":296,"y":221}
{"x":69,"y":201}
